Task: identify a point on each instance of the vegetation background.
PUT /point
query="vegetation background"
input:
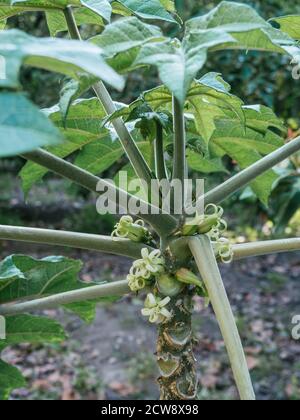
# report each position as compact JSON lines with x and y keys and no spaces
{"x":111,"y":359}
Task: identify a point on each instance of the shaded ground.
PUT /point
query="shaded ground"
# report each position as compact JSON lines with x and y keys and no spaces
{"x":113,"y":357}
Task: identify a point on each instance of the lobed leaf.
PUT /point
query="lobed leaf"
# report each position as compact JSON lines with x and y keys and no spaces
{"x":82,"y":128}
{"x":178,"y":64}
{"x":59,"y":55}
{"x":249,"y":30}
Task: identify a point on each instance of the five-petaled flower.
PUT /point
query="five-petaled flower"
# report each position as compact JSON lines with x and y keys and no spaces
{"x":150,"y":265}
{"x":155,"y":309}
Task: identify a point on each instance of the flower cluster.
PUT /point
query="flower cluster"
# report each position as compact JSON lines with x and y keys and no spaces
{"x":150,"y":265}
{"x":211,"y":220}
{"x":212,"y":224}
{"x":135,"y":231}
{"x":155,"y":309}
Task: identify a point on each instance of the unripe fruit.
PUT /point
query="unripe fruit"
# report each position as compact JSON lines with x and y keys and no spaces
{"x":168,"y":285}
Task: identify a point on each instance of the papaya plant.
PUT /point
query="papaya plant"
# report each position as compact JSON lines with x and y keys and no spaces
{"x":172,"y":132}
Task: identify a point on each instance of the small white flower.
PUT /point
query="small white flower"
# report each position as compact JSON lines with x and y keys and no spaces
{"x":136,"y":283}
{"x":155,"y":309}
{"x":223,"y":249}
{"x":135,"y":231}
{"x":150,"y":265}
{"x":153,"y":261}
{"x":121,"y":228}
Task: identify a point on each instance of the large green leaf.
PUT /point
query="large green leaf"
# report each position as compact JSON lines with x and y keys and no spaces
{"x":246,"y":147}
{"x":145,"y":9}
{"x":178,"y":64}
{"x":198,"y":163}
{"x":84,"y":114}
{"x":207,"y":100}
{"x":249,"y":30}
{"x":125,"y":34}
{"x":25,"y":329}
{"x":23,"y":127}
{"x":122,"y":40}
{"x":85,"y":134}
{"x":25,"y":277}
{"x":289,"y":24}
{"x":22,"y":277}
{"x":54,"y":11}
{"x":229,"y":25}
{"x":101,"y":7}
{"x":56,"y":20}
{"x":59,"y":55}
{"x":32,"y":329}
{"x":42,"y":4}
{"x":10,"y":8}
{"x":260,"y":118}
{"x":99,"y":156}
{"x":10,"y":379}
{"x":75,"y":140}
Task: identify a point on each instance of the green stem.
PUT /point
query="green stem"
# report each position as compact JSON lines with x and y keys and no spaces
{"x":180,"y":165}
{"x":255,"y":249}
{"x":160,"y":164}
{"x":243,"y":178}
{"x":162,"y":223}
{"x":205,"y":259}
{"x":100,"y":243}
{"x":118,"y":288}
{"x":134,"y":155}
{"x":176,"y":362}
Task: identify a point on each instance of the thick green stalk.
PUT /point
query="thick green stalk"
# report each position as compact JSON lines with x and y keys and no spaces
{"x":160,"y":164}
{"x":100,"y":243}
{"x":180,"y":248}
{"x":162,"y":223}
{"x":206,"y":262}
{"x":180,"y":165}
{"x":176,"y":362}
{"x":243,"y":178}
{"x":255,"y":249}
{"x":118,"y":288}
{"x":134,"y":155}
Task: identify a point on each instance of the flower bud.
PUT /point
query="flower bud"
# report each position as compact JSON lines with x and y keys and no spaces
{"x":188,"y":277}
{"x":135,"y":231}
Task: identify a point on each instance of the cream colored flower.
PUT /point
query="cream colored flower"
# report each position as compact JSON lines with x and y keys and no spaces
{"x":135,"y":231}
{"x":136,"y":283}
{"x":209,"y":222}
{"x":223,"y":250}
{"x":155,"y":309}
{"x":150,"y":265}
{"x":121,"y":228}
{"x":153,"y":261}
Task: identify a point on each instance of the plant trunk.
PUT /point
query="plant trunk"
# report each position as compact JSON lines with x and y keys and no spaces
{"x":176,"y":361}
